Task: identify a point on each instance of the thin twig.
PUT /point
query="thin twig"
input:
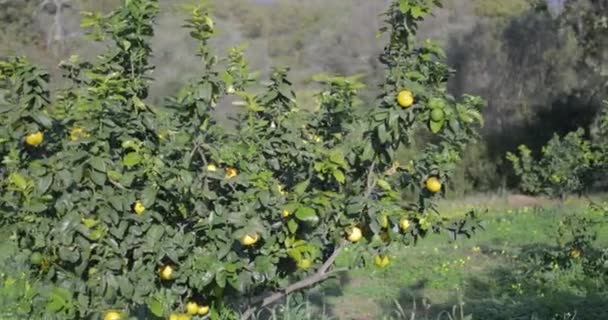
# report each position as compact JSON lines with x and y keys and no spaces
{"x":117,"y":185}
{"x":370,"y":179}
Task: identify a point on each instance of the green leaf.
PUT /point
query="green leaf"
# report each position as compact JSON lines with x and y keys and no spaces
{"x":98,"y":178}
{"x":44,"y":183}
{"x":132,"y":159}
{"x":42,"y":119}
{"x":220,"y":279}
{"x":59,"y":299}
{"x":138,"y":103}
{"x":301,"y":187}
{"x":339,"y":175}
{"x":368,"y":152}
{"x":205,"y":91}
{"x":382,"y":134}
{"x":384,"y":185}
{"x":414,"y":75}
{"x":404,"y":6}
{"x":98,"y":164}
{"x":236,"y":283}
{"x":148,"y":196}
{"x":436,"y":126}
{"x":36,"y":207}
{"x":286,"y":91}
{"x":417,"y":12}
{"x":126,"y":288}
{"x":292,"y":226}
{"x":18,"y":181}
{"x":306,"y":214}
{"x":454,"y":125}
{"x":156,"y":307}
{"x":337,"y":157}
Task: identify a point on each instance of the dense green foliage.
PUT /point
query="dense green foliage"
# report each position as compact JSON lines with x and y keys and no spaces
{"x":122,"y":205}
{"x":565,"y":166}
{"x":533,"y":65}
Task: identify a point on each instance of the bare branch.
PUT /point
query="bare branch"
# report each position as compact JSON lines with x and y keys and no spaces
{"x":370,"y":179}
{"x":319,"y":276}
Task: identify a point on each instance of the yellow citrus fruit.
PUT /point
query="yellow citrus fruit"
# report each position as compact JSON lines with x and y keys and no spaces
{"x":249,"y":240}
{"x":286,"y":213}
{"x":304,"y":264}
{"x":405,"y":98}
{"x":139,"y":207}
{"x":281,"y":189}
{"x":34,"y":139}
{"x":77,"y":134}
{"x":231,"y":172}
{"x":404,"y":224}
{"x":166,"y":272}
{"x":179,"y":316}
{"x":433,"y":184}
{"x":203,"y":310}
{"x":575,"y":253}
{"x":191,"y":308}
{"x":381,"y":261}
{"x":211,"y":168}
{"x":112,"y":315}
{"x":354,"y":234}
{"x":384,"y":221}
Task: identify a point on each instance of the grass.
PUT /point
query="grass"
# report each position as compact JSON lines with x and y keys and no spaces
{"x":490,"y":275}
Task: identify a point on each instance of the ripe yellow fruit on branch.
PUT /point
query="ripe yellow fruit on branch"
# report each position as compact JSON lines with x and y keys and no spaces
{"x":231,"y":172}
{"x":191,"y":308}
{"x":404,"y":224}
{"x":354,"y":234}
{"x":77,"y":134}
{"x":405,"y":98}
{"x":575,"y":253}
{"x":304,"y":264}
{"x":112,"y":315}
{"x":381,"y":261}
{"x":286,"y":213}
{"x":249,"y":240}
{"x":384,"y":221}
{"x":34,"y":139}
{"x":139,"y":207}
{"x":433,"y":184}
{"x":179,"y":316}
{"x":281,"y":189}
{"x":166,"y":273}
{"x":203,"y":310}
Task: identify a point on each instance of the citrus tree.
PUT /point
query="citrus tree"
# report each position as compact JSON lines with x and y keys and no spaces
{"x":564,"y":167}
{"x":128,"y":210}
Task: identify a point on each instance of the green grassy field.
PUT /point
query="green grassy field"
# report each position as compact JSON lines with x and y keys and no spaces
{"x":490,"y":276}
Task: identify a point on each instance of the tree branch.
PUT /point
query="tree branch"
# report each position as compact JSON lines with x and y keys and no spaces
{"x":370,"y":178}
{"x":322,"y":274}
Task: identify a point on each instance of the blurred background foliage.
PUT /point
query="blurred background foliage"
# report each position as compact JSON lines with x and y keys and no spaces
{"x":542,"y":65}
